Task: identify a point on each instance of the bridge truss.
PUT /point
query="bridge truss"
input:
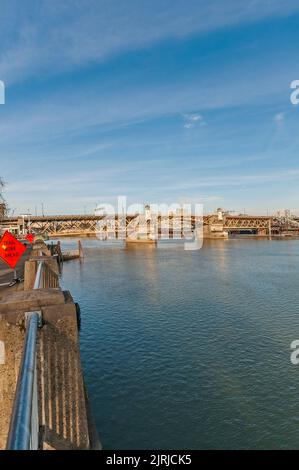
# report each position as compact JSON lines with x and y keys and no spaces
{"x":84,"y":225}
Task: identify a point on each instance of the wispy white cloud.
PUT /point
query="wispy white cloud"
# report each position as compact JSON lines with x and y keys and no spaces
{"x":238,"y":180}
{"x":192,"y":120}
{"x":75,"y":111}
{"x":79,"y":179}
{"x":68,"y":111}
{"x":53,"y":36}
{"x":279,"y":117}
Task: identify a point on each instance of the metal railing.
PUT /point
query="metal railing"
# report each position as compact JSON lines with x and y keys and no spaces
{"x":45,"y":277}
{"x":24,"y":424}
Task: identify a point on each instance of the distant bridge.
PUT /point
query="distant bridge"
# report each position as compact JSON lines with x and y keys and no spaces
{"x":89,"y":225}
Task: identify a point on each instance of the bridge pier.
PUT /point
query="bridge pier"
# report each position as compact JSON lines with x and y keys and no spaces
{"x":214,"y":231}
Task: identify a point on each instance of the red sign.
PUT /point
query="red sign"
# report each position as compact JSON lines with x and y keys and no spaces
{"x":11,"y":250}
{"x":30,"y":237}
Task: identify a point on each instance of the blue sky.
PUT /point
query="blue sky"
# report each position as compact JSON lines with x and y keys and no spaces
{"x":162,"y":101}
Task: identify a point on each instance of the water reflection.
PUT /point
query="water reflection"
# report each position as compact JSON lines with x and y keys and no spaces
{"x":190,"y":348}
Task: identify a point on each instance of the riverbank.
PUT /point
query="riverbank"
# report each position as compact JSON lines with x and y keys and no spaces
{"x":60,"y":406}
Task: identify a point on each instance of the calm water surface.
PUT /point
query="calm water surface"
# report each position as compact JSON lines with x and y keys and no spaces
{"x":190,"y":349}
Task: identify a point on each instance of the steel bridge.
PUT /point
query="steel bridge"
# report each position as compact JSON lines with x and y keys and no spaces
{"x":248,"y":222}
{"x":88,"y":225}
{"x":66,"y":225}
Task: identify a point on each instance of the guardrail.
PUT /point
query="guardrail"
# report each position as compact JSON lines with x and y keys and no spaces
{"x":24,"y":424}
{"x":45,"y":277}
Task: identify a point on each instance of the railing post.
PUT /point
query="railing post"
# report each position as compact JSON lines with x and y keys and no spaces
{"x":38,"y":277}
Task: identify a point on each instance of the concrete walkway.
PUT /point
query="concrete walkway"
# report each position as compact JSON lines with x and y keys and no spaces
{"x":7,"y":274}
{"x":63,"y":411}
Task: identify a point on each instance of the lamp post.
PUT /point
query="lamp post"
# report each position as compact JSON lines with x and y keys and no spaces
{"x":28,"y":223}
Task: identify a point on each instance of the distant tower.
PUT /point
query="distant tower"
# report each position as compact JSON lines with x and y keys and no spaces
{"x":2,"y":210}
{"x":287,"y":213}
{"x":147,"y":212}
{"x":3,"y":205}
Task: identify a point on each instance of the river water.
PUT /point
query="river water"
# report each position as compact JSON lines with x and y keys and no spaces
{"x":190,"y":349}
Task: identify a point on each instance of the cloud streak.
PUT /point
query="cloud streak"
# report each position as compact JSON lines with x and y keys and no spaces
{"x":193,"y":120}
{"x":108,"y":105}
{"x":53,"y":37}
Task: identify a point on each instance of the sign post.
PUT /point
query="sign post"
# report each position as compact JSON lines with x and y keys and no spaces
{"x":30,"y":237}
{"x":11,"y":251}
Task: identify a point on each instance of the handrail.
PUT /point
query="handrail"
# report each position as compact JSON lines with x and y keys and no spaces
{"x":24,"y":424}
{"x":38,"y":277}
{"x":45,"y":277}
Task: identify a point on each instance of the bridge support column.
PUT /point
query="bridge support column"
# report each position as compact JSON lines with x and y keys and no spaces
{"x":214,"y":231}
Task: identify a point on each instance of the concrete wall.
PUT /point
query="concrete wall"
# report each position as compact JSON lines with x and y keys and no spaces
{"x":62,"y":410}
